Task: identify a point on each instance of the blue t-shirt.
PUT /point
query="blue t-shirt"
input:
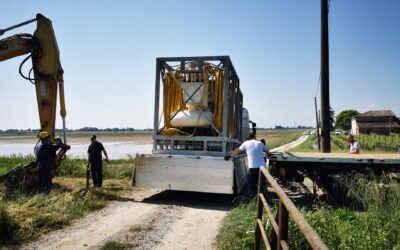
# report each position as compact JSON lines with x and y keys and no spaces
{"x":46,"y":153}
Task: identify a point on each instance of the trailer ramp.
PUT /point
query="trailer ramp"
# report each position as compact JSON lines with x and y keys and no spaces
{"x":206,"y":174}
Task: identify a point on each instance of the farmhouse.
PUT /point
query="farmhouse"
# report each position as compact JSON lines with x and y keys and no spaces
{"x":381,"y":122}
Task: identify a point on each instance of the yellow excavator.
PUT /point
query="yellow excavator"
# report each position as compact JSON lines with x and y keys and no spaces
{"x":48,"y":79}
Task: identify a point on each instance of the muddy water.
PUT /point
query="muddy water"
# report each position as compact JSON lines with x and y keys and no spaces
{"x":115,"y":150}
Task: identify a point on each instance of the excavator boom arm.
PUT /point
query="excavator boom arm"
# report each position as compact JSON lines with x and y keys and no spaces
{"x":16,"y":45}
{"x":47,"y":71}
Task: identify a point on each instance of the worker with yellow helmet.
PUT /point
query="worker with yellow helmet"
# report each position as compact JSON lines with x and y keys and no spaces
{"x":46,"y":154}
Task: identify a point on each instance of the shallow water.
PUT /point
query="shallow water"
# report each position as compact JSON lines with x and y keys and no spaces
{"x":115,"y":150}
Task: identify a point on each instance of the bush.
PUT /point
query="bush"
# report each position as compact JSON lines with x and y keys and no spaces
{"x":8,"y":226}
{"x":113,"y":245}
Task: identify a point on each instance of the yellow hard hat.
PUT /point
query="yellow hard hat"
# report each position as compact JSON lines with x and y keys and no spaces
{"x":43,"y":134}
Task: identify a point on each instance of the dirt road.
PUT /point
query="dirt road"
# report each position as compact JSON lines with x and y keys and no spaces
{"x":290,"y":145}
{"x":148,"y":219}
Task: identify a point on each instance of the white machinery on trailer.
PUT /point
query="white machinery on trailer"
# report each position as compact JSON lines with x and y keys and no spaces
{"x":198,"y":119}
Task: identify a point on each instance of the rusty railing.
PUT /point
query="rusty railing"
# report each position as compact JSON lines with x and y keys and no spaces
{"x":286,"y":207}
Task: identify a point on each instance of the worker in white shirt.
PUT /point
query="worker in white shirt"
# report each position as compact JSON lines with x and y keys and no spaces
{"x":255,"y":158}
{"x":354,"y":146}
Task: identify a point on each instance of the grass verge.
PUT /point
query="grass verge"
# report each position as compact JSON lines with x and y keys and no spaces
{"x":237,"y":229}
{"x":307,"y":145}
{"x":73,"y":167}
{"x":276,"y":138}
{"x":376,"y":227}
{"x":28,"y":216}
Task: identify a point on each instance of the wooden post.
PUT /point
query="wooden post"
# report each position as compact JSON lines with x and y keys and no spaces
{"x":283,"y":224}
{"x":261,"y":184}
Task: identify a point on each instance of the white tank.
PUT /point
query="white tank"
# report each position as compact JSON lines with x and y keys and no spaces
{"x":192,"y":118}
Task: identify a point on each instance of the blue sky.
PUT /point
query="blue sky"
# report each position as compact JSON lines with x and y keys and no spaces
{"x":108,"y":50}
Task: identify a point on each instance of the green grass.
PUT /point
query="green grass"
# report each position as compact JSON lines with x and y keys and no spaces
{"x":73,"y":167}
{"x":8,"y":226}
{"x":27,"y":216}
{"x":237,"y":229}
{"x":307,"y":145}
{"x":117,"y":169}
{"x":276,"y":138}
{"x":7,"y":163}
{"x":369,"y":144}
{"x":113,"y":245}
{"x":24,"y":217}
{"x":375,"y":227}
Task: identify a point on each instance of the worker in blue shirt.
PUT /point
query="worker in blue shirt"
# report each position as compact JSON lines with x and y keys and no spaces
{"x":46,"y":156}
{"x":95,"y":160}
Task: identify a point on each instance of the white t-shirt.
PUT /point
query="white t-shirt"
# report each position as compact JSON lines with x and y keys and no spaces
{"x":355,"y":146}
{"x":255,"y":153}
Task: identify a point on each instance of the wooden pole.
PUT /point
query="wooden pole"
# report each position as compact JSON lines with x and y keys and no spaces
{"x":325,"y":107}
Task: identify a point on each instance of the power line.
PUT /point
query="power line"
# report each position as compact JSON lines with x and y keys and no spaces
{"x":319,"y":82}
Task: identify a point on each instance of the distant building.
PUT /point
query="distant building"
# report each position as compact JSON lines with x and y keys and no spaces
{"x":381,"y":122}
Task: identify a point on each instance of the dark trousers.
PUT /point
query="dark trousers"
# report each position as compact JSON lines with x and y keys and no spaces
{"x":97,"y":173}
{"x":45,"y":176}
{"x":252,"y":179}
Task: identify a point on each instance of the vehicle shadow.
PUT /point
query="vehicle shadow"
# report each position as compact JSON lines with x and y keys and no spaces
{"x":221,"y":202}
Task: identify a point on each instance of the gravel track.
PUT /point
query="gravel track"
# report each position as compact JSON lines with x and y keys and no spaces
{"x":148,"y":219}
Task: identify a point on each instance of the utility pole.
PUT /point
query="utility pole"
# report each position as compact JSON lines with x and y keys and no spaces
{"x":325,"y":107}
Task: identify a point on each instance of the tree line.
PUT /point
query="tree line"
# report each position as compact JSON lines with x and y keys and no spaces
{"x":84,"y":129}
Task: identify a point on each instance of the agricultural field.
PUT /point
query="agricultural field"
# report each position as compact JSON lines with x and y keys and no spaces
{"x":370,"y":143}
{"x":276,"y":138}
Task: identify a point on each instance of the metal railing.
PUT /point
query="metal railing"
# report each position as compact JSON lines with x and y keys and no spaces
{"x":286,"y":208}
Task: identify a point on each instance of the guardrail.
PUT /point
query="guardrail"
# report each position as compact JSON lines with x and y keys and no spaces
{"x":286,"y":207}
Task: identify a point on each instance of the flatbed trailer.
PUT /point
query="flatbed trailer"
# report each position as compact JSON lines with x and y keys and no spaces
{"x":324,"y":169}
{"x":316,"y":164}
{"x":295,"y":161}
